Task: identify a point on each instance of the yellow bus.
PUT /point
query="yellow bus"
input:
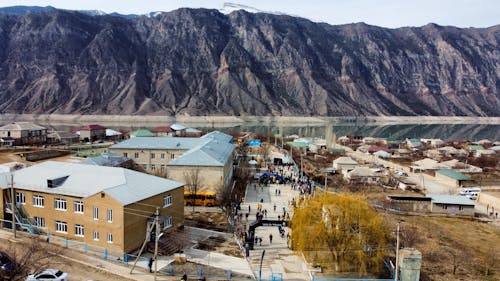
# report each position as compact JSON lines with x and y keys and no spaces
{"x":200,"y":198}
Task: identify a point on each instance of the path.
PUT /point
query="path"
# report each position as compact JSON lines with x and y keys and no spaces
{"x":278,"y":258}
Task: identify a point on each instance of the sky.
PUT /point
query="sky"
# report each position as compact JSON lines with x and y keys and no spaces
{"x":386,"y":13}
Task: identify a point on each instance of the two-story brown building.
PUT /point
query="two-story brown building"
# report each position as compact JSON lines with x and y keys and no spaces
{"x":92,"y":132}
{"x":104,"y":206}
{"x":176,"y":157}
{"x":24,"y":133}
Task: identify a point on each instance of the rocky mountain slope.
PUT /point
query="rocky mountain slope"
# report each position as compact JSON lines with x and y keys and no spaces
{"x":202,"y":62}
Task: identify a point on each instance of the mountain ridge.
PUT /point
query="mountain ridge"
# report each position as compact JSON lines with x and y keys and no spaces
{"x":202,"y":62}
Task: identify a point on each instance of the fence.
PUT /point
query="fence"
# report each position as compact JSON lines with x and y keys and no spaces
{"x":165,"y":266}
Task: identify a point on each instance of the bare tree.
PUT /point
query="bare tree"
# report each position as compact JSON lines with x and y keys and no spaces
{"x":192,"y":178}
{"x":31,"y":256}
{"x":410,"y":236}
{"x":458,"y":257}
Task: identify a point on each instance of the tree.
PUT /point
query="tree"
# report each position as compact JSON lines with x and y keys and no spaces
{"x":410,"y":236}
{"x":340,"y":231}
{"x":192,"y":179}
{"x":31,"y":256}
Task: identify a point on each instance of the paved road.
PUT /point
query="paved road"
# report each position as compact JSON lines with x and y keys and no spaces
{"x":278,"y":258}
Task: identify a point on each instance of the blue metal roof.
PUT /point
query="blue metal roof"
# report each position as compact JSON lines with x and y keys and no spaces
{"x":159,"y":143}
{"x":450,"y":199}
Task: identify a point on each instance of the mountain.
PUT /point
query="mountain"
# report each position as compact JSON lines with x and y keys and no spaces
{"x":203,"y":62}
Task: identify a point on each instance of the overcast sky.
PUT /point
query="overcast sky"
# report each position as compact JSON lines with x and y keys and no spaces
{"x":387,"y":13}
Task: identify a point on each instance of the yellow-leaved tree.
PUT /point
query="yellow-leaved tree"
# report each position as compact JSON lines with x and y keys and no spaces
{"x":340,"y":232}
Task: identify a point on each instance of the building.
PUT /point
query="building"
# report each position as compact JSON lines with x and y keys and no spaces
{"x":109,"y":159}
{"x":92,"y":133}
{"x":176,"y":157}
{"x":363,"y":175}
{"x":63,"y":137}
{"x":111,"y":210}
{"x":451,"y":204}
{"x":142,"y":133}
{"x":163,"y":131}
{"x":410,"y":203}
{"x":344,"y":164}
{"x":434,"y":203}
{"x":452,"y":177}
{"x":23,"y":133}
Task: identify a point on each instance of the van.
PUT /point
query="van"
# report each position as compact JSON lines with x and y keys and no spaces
{"x":469,"y":190}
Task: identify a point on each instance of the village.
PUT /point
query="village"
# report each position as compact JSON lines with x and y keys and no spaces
{"x":173,"y":201}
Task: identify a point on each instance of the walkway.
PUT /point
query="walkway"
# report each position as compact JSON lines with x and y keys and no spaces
{"x":278,"y":257}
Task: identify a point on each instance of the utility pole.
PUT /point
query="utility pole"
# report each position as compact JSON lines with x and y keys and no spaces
{"x":148,"y":232}
{"x":260,"y":268}
{"x":13,"y":206}
{"x":396,"y":273}
{"x":157,"y":237}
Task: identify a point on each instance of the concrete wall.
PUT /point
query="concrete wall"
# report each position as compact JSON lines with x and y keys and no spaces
{"x":410,"y":261}
{"x":411,"y":206}
{"x":40,"y":155}
{"x":452,"y":209}
{"x":148,"y":157}
{"x":211,"y":178}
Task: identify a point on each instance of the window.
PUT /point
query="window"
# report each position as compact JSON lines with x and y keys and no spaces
{"x":61,"y":227}
{"x":167,"y":222}
{"x":78,"y":206}
{"x":125,"y":154}
{"x":172,"y":155}
{"x":96,"y":235}
{"x":38,"y":201}
{"x":162,"y":156}
{"x":460,"y":208}
{"x":110,"y":215}
{"x":20,"y":198}
{"x":153,"y":167}
{"x":136,"y":155}
{"x":167,"y":200}
{"x":96,"y":213}
{"x":152,"y":156}
{"x":79,"y":230}
{"x":39,"y":222}
{"x":60,"y":204}
{"x":145,"y":166}
{"x":445,"y":207}
{"x":162,"y":168}
{"x":110,"y":238}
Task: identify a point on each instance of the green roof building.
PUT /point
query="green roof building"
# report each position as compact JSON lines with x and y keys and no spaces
{"x":142,"y":133}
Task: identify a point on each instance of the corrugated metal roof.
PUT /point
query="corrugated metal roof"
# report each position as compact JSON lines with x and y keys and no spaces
{"x":126,"y":186}
{"x":450,"y":199}
{"x":17,"y":126}
{"x":217,"y":135}
{"x":142,"y":133}
{"x":453,"y":174}
{"x":159,"y":143}
{"x":108,"y":159}
{"x":212,"y":153}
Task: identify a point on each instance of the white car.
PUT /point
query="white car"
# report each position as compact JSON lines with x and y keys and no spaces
{"x":48,"y":275}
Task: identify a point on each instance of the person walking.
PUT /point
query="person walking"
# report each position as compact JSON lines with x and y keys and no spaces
{"x":184,"y":277}
{"x":150,"y":264}
{"x":270,"y":238}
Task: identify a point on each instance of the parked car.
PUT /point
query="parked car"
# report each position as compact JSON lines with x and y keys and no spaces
{"x":48,"y":275}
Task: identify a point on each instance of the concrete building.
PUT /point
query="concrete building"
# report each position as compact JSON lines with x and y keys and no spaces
{"x":92,"y":132}
{"x":434,"y":203}
{"x":24,"y":133}
{"x":176,"y":157}
{"x":103,"y":206}
{"x":363,"y":175}
{"x":452,"y":178}
{"x":451,"y":204}
{"x":344,"y":164}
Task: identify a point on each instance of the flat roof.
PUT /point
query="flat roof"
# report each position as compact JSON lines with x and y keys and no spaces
{"x":409,"y":198}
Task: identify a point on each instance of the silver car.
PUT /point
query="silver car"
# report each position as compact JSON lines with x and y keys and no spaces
{"x":48,"y":275}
